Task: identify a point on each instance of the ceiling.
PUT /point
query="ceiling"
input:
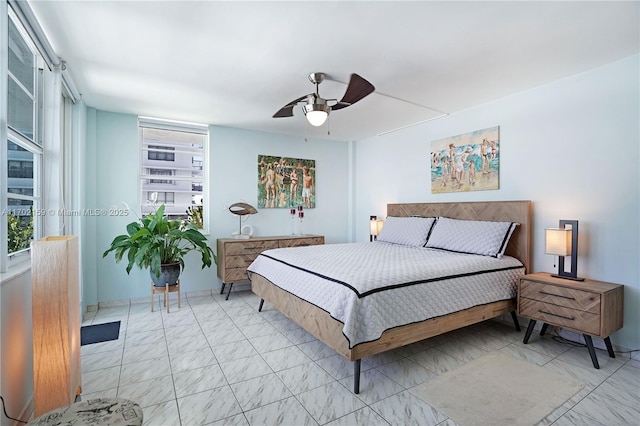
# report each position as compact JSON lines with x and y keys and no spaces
{"x":236,"y":63}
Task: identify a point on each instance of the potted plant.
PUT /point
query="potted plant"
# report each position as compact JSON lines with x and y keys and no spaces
{"x":160,"y":244}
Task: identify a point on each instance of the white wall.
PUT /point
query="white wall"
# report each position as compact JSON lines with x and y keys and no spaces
{"x":111,"y":170}
{"x":17,"y":346}
{"x":572,"y":147}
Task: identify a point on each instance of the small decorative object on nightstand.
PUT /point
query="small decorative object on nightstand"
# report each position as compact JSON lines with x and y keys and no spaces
{"x":593,"y":308}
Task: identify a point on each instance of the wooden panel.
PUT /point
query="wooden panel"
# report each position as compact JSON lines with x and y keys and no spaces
{"x":401,"y":336}
{"x":562,"y":296}
{"x":612,"y":310}
{"x":580,"y":321}
{"x":249,"y":247}
{"x":56,"y":322}
{"x":500,"y":211}
{"x":241,"y":261}
{"x":300,"y":242}
{"x":308,"y":316}
{"x":235,"y":274}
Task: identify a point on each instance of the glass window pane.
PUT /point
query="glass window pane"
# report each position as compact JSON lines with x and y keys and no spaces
{"x":21,"y":59}
{"x":19,"y":224}
{"x":179,"y":154}
{"x":19,"y":169}
{"x":20,"y":114}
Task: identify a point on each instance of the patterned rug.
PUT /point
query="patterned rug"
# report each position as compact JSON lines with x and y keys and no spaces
{"x":497,"y":389}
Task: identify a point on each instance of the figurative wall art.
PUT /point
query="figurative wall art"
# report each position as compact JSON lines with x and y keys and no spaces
{"x":467,"y":162}
{"x":286,"y":182}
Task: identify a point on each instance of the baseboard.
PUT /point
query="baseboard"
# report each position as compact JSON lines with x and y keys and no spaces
{"x":127,"y":302}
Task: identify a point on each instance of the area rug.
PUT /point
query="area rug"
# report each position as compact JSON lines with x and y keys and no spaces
{"x":99,"y":333}
{"x":497,"y":389}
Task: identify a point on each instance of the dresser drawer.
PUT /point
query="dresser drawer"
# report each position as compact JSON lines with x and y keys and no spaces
{"x":235,"y":274}
{"x":299,"y":242}
{"x":240,"y":261}
{"x":561,"y":296}
{"x":249,"y":247}
{"x":584,"y":322}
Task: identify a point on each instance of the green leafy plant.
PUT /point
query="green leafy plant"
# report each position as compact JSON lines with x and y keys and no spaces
{"x":156,"y":240}
{"x":19,"y":232}
{"x":195,"y":216}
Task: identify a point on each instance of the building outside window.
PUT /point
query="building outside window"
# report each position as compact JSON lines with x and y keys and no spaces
{"x":178,"y":150}
{"x":160,"y":153}
{"x":161,"y":172}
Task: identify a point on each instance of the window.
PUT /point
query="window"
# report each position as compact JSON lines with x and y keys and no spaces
{"x":178,"y":150}
{"x":161,"y":172}
{"x":161,"y":155}
{"x":22,"y":144}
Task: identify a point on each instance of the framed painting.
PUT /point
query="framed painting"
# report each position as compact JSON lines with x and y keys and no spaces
{"x":467,"y":162}
{"x":286,"y":182}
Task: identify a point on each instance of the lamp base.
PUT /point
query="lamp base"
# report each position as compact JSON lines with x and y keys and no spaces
{"x":567,"y":278}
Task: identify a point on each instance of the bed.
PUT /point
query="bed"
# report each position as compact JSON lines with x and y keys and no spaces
{"x":291,"y":279}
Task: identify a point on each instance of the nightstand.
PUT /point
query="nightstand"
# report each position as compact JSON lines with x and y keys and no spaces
{"x":593,"y":308}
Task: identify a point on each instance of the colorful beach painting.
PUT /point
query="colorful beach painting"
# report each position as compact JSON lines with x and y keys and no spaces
{"x":466,"y":162}
{"x":286,"y":182}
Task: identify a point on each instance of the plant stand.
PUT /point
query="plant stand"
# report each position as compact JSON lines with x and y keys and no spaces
{"x":165,"y":290}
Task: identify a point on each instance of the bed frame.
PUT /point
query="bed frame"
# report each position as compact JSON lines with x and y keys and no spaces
{"x":329,"y":330}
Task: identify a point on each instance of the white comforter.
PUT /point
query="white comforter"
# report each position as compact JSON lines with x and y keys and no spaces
{"x":372,"y":287}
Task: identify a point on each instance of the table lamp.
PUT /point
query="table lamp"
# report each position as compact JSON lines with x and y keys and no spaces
{"x":562,"y":242}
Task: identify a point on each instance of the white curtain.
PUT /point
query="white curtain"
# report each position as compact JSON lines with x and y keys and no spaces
{"x":53,"y":167}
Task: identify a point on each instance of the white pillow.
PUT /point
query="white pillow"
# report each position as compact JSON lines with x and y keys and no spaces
{"x":409,"y":231}
{"x":471,"y":236}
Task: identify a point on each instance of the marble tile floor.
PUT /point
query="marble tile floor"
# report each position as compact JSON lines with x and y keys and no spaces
{"x":224,"y":363}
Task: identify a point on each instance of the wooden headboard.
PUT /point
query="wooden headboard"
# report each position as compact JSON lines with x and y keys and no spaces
{"x":500,"y":211}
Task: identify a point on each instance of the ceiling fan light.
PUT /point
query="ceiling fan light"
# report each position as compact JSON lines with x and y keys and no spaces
{"x":317,"y":118}
{"x":316,"y":113}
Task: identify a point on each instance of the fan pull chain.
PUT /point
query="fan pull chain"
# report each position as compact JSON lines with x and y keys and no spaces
{"x":305,"y":132}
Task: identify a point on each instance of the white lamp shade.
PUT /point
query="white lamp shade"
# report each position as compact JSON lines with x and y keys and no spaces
{"x":317,"y":118}
{"x":379,"y":225}
{"x":558,"y":241}
{"x":375,"y":226}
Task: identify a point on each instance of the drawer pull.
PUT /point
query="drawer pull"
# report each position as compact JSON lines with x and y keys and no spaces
{"x":556,"y":315}
{"x":557,"y":295}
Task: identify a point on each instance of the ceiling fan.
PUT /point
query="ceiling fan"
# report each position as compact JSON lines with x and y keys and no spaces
{"x":317,"y":109}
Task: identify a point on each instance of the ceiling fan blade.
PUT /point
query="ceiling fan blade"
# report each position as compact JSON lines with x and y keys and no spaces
{"x":287,"y":110}
{"x":357,"y":89}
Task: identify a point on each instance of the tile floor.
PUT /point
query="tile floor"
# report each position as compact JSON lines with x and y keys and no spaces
{"x":221,"y":362}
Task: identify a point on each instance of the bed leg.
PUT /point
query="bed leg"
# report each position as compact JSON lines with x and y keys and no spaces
{"x":356,"y":376}
{"x":261,"y":303}
{"x":515,"y":320}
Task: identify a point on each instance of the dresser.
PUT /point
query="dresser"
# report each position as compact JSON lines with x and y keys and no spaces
{"x":593,"y":308}
{"x":235,"y":255}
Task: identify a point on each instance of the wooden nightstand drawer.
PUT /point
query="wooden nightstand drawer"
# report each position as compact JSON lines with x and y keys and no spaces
{"x":581,"y":321}
{"x":561,"y":296}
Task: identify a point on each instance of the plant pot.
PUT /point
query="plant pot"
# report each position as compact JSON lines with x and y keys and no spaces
{"x":168,"y":274}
